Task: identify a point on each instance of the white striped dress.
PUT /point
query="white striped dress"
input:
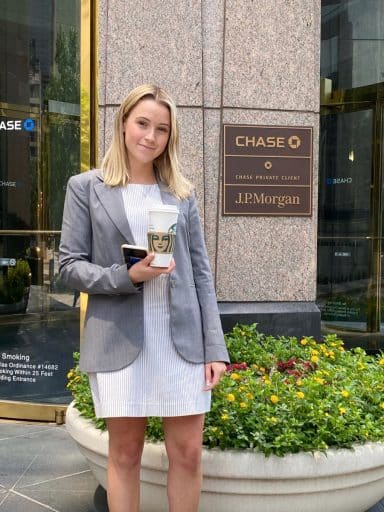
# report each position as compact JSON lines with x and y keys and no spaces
{"x":159,"y":382}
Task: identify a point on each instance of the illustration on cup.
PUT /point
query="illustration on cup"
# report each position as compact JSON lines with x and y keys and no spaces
{"x":161,"y":242}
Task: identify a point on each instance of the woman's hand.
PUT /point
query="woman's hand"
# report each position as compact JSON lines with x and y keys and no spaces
{"x":213,"y":373}
{"x":142,"y":271}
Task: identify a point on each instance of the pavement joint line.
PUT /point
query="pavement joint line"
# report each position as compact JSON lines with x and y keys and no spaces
{"x":33,"y":501}
{"x":54,"y":479}
{"x":23,"y":435}
{"x":25,"y":470}
{"x":5,"y":497}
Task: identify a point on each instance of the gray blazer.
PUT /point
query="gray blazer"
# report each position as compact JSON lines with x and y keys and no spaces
{"x":90,"y":260}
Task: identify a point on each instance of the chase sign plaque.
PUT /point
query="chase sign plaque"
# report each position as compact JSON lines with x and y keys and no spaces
{"x":267,"y":170}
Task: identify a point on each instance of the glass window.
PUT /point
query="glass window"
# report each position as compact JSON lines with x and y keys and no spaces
{"x":346,"y":174}
{"x":39,"y":151}
{"x":352,"y":42}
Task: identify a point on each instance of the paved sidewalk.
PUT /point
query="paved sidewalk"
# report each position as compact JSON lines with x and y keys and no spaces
{"x":41,"y":470}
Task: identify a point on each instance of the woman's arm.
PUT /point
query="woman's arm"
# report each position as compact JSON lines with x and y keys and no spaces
{"x":214,"y":345}
{"x":75,"y":253}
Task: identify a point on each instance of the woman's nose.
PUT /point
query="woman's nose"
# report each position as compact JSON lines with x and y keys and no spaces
{"x":150,"y":135}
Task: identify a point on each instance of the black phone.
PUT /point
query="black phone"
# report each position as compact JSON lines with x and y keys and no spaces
{"x":133,"y":253}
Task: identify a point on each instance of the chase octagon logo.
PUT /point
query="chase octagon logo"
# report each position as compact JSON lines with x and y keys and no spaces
{"x":18,"y":125}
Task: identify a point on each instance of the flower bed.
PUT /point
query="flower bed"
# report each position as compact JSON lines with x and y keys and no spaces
{"x":283,"y":395}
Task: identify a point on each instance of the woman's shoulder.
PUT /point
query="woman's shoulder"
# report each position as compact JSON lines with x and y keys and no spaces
{"x":86,"y":176}
{"x":83,"y":179}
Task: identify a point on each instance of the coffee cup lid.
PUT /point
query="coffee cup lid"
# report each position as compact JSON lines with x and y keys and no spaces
{"x":164,"y":208}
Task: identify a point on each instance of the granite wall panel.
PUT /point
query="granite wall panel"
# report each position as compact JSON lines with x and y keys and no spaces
{"x":155,"y":41}
{"x":270,"y":54}
{"x":263,"y":258}
{"x":233,"y":61}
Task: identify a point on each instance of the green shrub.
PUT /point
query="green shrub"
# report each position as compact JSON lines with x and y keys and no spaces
{"x":284,"y":395}
{"x":14,"y":283}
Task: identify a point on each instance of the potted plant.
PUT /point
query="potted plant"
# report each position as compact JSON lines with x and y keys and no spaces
{"x":14,"y":288}
{"x":295,"y":425}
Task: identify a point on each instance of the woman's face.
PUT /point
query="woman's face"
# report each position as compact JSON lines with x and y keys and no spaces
{"x":160,"y":242}
{"x":146,"y":131}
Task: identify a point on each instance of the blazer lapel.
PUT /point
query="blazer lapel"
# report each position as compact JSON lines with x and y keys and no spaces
{"x":166,"y":196}
{"x":112,"y":201}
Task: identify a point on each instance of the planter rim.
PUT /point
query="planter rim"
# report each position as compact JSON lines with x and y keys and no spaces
{"x":246,"y":464}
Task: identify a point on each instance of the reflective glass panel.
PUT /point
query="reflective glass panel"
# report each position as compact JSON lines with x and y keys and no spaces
{"x":352,"y":42}
{"x":39,"y":151}
{"x":345,"y":174}
{"x":345,"y":246}
{"x":39,"y":320}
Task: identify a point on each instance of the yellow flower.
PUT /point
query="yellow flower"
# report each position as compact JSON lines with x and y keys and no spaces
{"x":319,"y":380}
{"x":300,"y":394}
{"x":214,"y":429}
{"x":342,"y":410}
{"x":314,"y":359}
{"x":235,"y":376}
{"x":262,"y":369}
{"x":243,"y":405}
{"x":272,"y":419}
{"x":77,"y":379}
{"x":382,"y":405}
{"x":345,"y":393}
{"x":381,"y":362}
{"x":224,"y":417}
{"x":231,"y":397}
{"x":70,"y":374}
{"x":341,"y":349}
{"x":242,"y":388}
{"x":266,"y":379}
{"x":315,"y":352}
{"x":249,"y":396}
{"x":304,"y":341}
{"x":255,"y":367}
{"x":274,"y":399}
{"x":299,"y":382}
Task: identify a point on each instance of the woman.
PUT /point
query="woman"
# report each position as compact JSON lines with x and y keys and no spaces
{"x":153,"y":343}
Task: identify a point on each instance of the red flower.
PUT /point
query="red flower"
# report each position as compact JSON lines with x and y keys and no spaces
{"x":236,"y":366}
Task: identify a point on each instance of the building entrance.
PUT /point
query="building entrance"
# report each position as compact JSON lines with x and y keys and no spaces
{"x":40,"y":146}
{"x":350,"y":242}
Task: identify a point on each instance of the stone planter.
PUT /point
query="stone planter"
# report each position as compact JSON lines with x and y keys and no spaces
{"x":336,"y":481}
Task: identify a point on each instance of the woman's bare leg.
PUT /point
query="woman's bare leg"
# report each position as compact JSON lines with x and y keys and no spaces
{"x":126,"y":441}
{"x":183,"y":441}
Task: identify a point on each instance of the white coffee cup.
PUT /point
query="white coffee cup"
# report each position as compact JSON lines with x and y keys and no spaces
{"x":162,"y":233}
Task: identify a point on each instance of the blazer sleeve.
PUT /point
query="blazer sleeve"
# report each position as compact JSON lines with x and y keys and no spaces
{"x":75,"y":253}
{"x":214,"y":344}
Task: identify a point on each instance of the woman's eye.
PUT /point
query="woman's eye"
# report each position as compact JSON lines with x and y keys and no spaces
{"x":142,"y":123}
{"x":163,"y":129}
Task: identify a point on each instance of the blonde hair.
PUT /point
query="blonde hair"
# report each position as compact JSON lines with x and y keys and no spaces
{"x":115,"y":162}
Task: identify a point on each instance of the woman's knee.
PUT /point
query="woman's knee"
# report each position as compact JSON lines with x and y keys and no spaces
{"x":186,"y":455}
{"x":126,"y":441}
{"x":126,"y":455}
